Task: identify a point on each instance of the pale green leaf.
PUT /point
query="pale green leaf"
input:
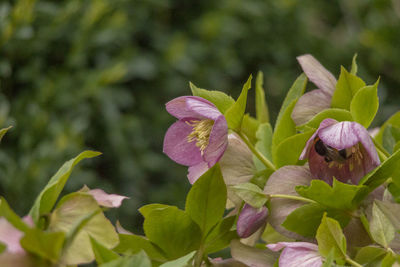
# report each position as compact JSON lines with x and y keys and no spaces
{"x":251,"y":194}
{"x":381,"y":228}
{"x":262,"y":112}
{"x":364,"y":104}
{"x":221,"y":100}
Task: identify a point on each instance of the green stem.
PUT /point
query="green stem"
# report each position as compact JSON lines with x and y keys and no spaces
{"x":292,"y":197}
{"x":381,"y":151}
{"x":198,"y":260}
{"x":257,"y":153}
{"x":353,"y":262}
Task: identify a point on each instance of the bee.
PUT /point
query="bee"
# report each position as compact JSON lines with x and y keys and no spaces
{"x":331,"y":154}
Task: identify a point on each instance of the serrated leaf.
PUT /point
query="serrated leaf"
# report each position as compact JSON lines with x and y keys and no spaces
{"x":381,"y":229}
{"x":262,"y":112}
{"x":263,"y":144}
{"x":346,"y":87}
{"x":330,"y":236}
{"x":221,"y":235}
{"x":44,"y":244}
{"x":131,"y":244}
{"x":80,"y":212}
{"x":206,"y":200}
{"x":332,"y":113}
{"x":48,"y":196}
{"x":235,"y":113}
{"x":365,"y":97}
{"x":173,"y":231}
{"x":138,"y":260}
{"x":221,"y":100}
{"x":339,"y":196}
{"x":181,"y":262}
{"x":101,"y":253}
{"x":251,"y":194}
{"x":289,"y":150}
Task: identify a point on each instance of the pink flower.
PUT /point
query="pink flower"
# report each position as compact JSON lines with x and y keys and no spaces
{"x":315,"y":101}
{"x":250,"y":220}
{"x":343,"y":150}
{"x":300,"y":254}
{"x":199,"y":138}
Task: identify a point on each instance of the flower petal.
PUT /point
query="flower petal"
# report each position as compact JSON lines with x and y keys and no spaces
{"x":320,"y":76}
{"x":237,"y":162}
{"x":297,"y":254}
{"x":217,"y":143}
{"x":178,"y":148}
{"x":309,"y":105}
{"x":107,"y":200}
{"x":192,"y":107}
{"x":284,"y":181}
{"x":196,"y":171}
{"x":303,"y":245}
{"x":250,"y":220}
{"x":10,"y":236}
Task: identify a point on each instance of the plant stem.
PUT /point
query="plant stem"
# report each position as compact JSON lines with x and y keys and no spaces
{"x":381,"y":151}
{"x":292,"y":197}
{"x":353,"y":262}
{"x":198,"y":259}
{"x":257,"y":153}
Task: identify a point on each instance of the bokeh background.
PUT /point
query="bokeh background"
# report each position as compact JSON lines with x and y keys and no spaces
{"x":95,"y":74}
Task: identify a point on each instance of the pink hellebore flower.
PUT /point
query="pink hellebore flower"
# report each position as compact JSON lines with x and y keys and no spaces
{"x":299,"y":254}
{"x":315,"y":101}
{"x":250,"y":220}
{"x":199,"y":138}
{"x":343,"y":150}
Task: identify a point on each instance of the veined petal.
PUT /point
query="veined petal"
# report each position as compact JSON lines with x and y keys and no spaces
{"x":309,"y":105}
{"x":250,"y":220}
{"x":196,"y":171}
{"x":177,"y":147}
{"x":107,"y":200}
{"x":237,"y":162}
{"x":320,"y":76}
{"x":192,"y":107}
{"x":218,"y":141}
{"x":302,"y":254}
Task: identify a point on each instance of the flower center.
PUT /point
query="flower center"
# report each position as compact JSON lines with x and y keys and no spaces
{"x":200,"y":133}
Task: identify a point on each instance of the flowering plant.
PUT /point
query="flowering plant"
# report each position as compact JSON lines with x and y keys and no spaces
{"x":316,"y":189}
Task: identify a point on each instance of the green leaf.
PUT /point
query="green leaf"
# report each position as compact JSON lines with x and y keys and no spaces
{"x":270,"y":236}
{"x":79,"y":215}
{"x":394,"y":120}
{"x":332,"y":113}
{"x":365,"y":97}
{"x":389,"y":260}
{"x":221,"y":100}
{"x":4,"y":131}
{"x":249,"y":127}
{"x":206,"y":200}
{"x":391,"y":211}
{"x":101,"y":253}
{"x":339,"y":196}
{"x":354,"y":67}
{"x":181,"y":262}
{"x":221,"y":235}
{"x":346,"y":87}
{"x":262,"y":112}
{"x":329,"y":261}
{"x":131,"y":244}
{"x":297,"y":90}
{"x":381,"y":228}
{"x":44,"y":244}
{"x":391,"y":136}
{"x":252,"y":256}
{"x":48,"y":196}
{"x":306,"y":219}
{"x":251,"y":194}
{"x":370,"y":255}
{"x":284,"y":128}
{"x":289,"y":151}
{"x":11,"y":216}
{"x":173,"y":231}
{"x":263,"y":144}
{"x":138,"y":260}
{"x":330,"y":236}
{"x":380,"y":174}
{"x":146,"y":209}
{"x":234,"y":114}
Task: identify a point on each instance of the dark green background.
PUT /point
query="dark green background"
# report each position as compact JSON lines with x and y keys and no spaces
{"x":82,"y":74}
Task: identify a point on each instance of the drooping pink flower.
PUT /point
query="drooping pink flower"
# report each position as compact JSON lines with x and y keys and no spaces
{"x":300,"y":254}
{"x":343,"y":150}
{"x":199,"y":138}
{"x":315,"y":101}
{"x":250,"y":220}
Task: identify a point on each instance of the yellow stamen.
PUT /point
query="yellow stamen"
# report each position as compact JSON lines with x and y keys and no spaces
{"x":200,"y":133}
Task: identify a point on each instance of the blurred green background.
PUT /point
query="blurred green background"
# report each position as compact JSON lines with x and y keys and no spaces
{"x":95,"y":74}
